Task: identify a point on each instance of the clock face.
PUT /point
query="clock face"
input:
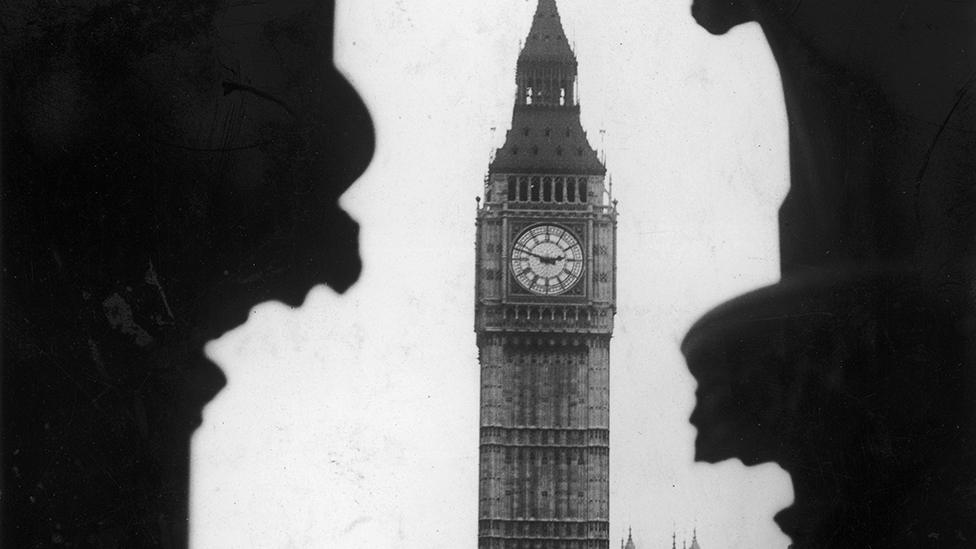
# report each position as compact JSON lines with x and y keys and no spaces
{"x":547,"y":260}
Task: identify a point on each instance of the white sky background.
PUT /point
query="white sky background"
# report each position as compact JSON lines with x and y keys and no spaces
{"x":352,"y":421}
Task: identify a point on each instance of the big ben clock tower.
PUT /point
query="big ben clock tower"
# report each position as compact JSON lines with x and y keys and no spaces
{"x":544,"y":307}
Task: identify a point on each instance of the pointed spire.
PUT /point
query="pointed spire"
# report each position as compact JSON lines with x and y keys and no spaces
{"x":547,"y":40}
{"x":547,"y":135}
{"x":630,"y":539}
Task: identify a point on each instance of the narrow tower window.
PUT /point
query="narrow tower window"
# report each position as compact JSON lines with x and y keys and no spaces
{"x":559,"y":189}
{"x":528,"y":95}
{"x":535,"y":189}
{"x":570,"y":191}
{"x":512,"y":186}
{"x":547,"y":189}
{"x":582,"y":190}
{"x":562,"y":96}
{"x":523,"y":189}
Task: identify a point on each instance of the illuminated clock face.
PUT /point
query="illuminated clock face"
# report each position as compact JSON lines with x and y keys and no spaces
{"x":547,"y":260}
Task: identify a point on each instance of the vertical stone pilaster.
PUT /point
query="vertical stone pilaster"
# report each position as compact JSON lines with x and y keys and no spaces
{"x":598,"y":374}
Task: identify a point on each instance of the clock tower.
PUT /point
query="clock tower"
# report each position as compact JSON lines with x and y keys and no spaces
{"x":544,"y":307}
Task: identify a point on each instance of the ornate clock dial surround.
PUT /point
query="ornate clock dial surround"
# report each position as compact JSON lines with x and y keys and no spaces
{"x":547,"y":260}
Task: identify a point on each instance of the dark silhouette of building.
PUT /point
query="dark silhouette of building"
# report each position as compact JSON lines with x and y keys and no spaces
{"x":856,"y":371}
{"x":166,"y":166}
{"x":545,"y":290}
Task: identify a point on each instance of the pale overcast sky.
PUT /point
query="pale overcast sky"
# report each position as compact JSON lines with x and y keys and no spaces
{"x":352,"y":421}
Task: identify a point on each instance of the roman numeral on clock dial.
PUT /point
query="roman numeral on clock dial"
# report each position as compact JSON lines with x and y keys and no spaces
{"x":547,"y":259}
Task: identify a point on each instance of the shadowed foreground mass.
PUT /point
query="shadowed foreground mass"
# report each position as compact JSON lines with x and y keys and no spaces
{"x":166,"y":166}
{"x":855,"y":372}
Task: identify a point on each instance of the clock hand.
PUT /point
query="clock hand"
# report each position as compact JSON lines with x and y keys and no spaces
{"x":545,"y":259}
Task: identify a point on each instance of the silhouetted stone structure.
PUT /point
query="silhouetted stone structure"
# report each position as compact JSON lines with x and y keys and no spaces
{"x":855,"y":372}
{"x":166,"y":166}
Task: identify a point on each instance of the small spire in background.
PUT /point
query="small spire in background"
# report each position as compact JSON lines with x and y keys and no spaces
{"x":630,"y":539}
{"x":694,"y":539}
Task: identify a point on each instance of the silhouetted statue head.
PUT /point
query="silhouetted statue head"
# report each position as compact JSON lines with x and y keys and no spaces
{"x":855,"y":387}
{"x":166,"y":166}
{"x":855,"y":372}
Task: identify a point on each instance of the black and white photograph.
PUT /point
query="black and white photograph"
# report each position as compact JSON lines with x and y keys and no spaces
{"x":507,"y":274}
